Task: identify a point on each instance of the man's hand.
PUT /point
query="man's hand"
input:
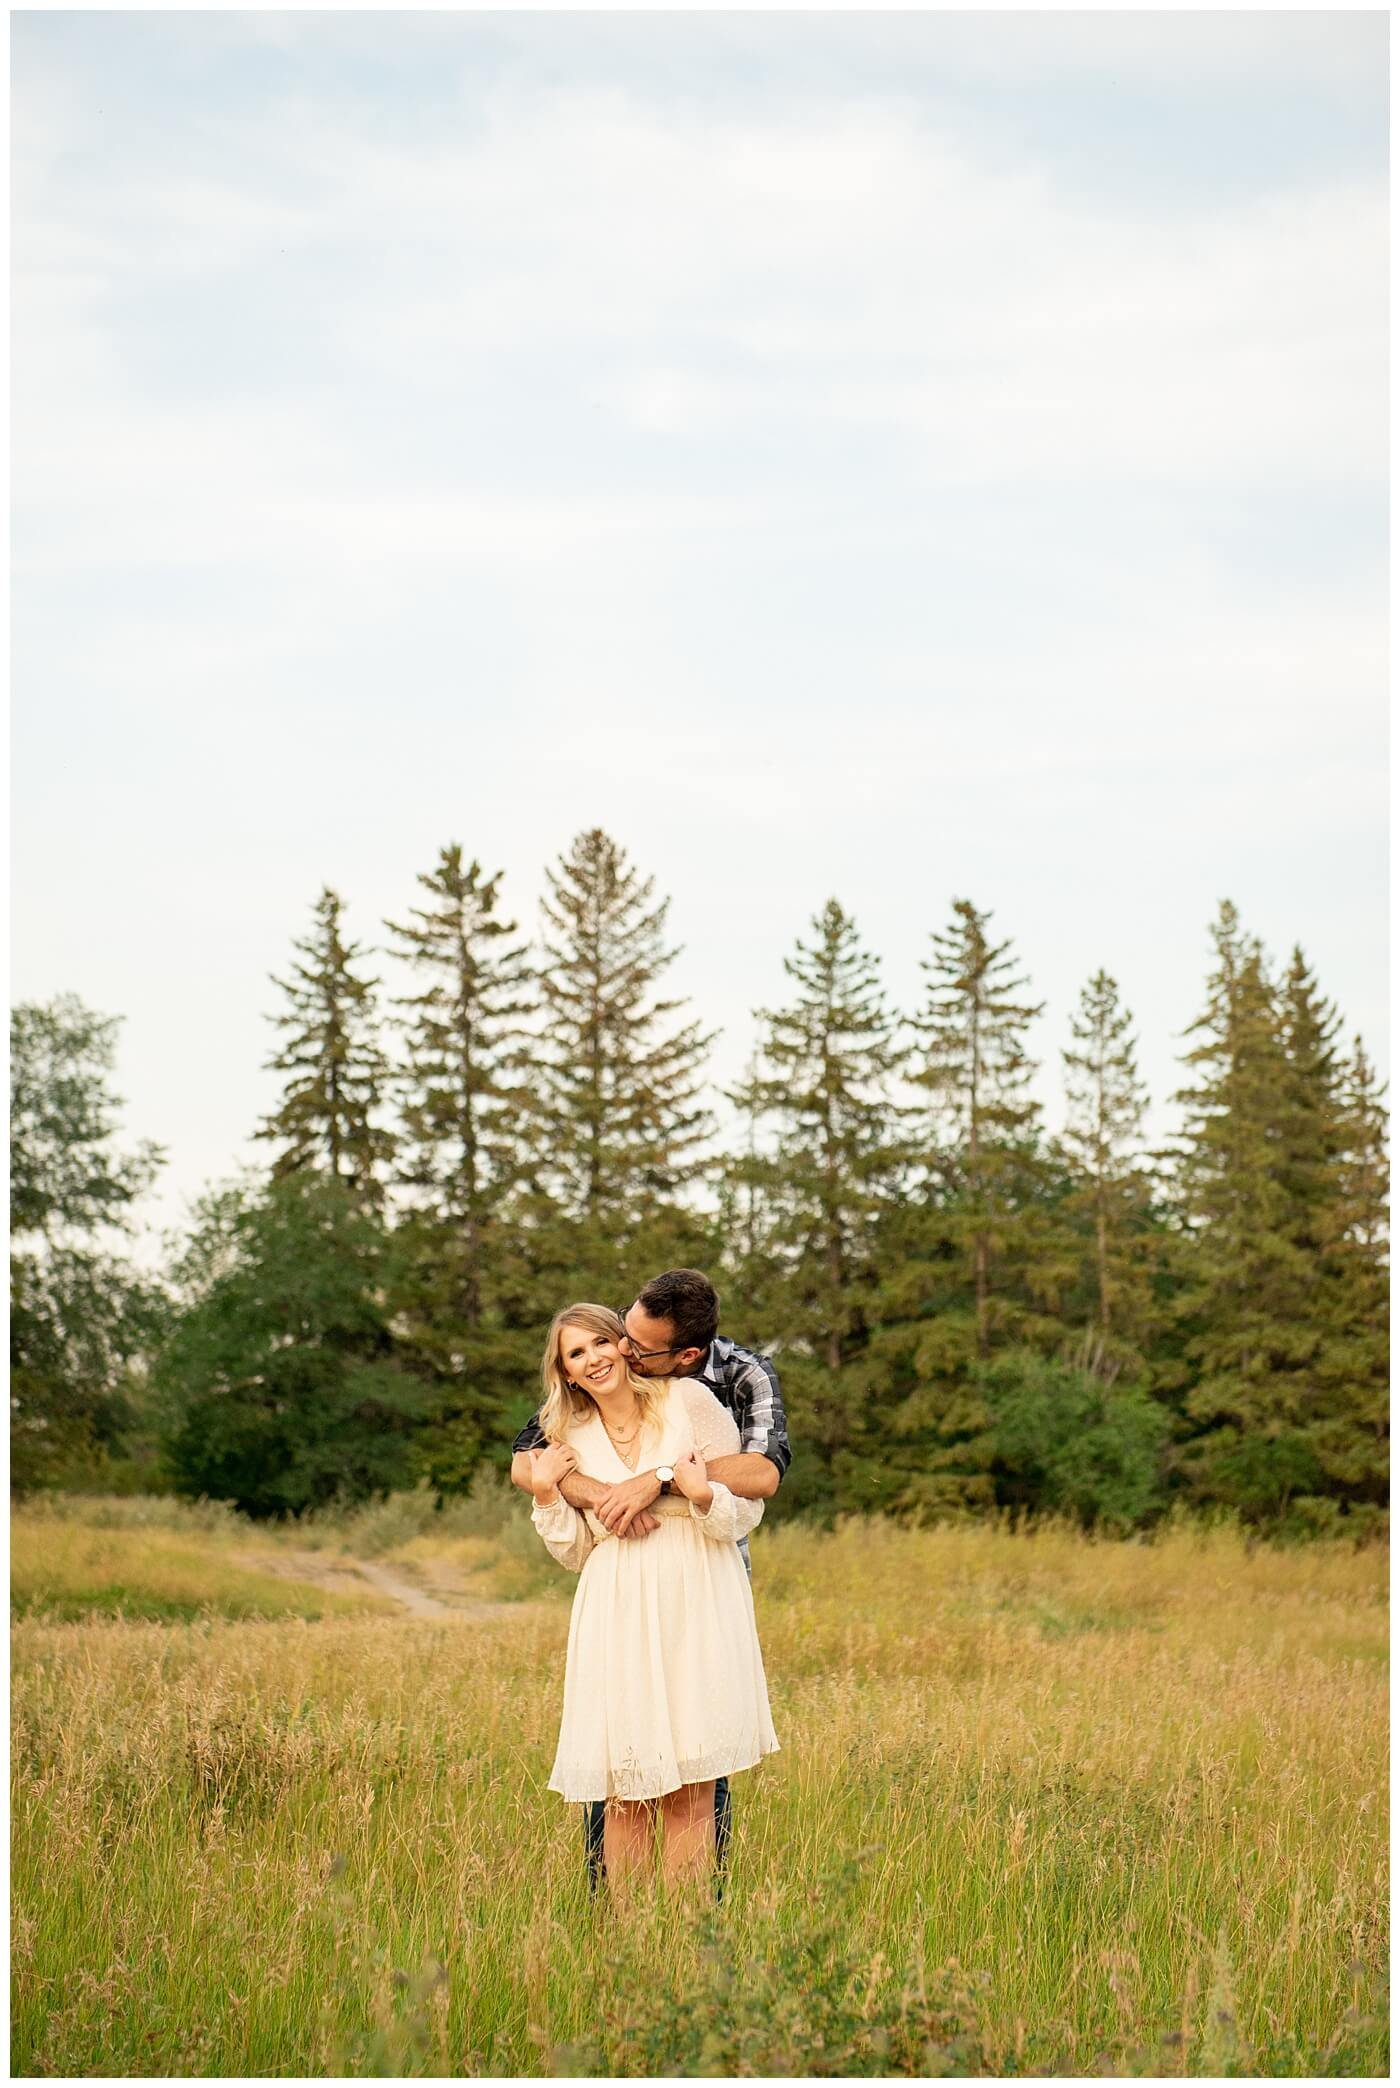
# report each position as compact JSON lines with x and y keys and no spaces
{"x":623,"y":1506}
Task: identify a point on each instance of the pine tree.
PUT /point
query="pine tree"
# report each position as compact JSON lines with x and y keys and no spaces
{"x":459,"y":1156}
{"x":616,"y":1080}
{"x":981,"y":1144}
{"x":1282,"y":1191}
{"x":1348,"y":1427}
{"x":1106,"y":1106}
{"x":460,"y":1081}
{"x":328,"y":1119}
{"x":980,"y":1256}
{"x":823,"y":1080}
{"x":1250,"y":1284}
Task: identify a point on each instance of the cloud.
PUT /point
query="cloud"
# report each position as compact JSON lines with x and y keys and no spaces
{"x":741,"y":432}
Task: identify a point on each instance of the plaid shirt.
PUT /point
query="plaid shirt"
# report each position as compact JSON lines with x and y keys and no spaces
{"x":745,"y":1383}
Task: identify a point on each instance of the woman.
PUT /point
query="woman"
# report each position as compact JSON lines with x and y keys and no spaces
{"x":663,"y":1682}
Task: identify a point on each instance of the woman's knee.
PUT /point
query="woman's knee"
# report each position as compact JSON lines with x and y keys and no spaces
{"x":691,"y":1801}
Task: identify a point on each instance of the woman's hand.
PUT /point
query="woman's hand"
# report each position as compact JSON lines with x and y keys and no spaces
{"x":547,"y":1468}
{"x":693,"y":1482}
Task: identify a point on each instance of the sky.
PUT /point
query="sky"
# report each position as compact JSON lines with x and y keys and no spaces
{"x":901,"y":458}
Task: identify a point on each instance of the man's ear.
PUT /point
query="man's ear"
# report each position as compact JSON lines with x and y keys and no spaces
{"x":687,"y":1359}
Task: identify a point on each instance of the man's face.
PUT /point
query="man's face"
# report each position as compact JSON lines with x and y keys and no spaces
{"x":649,"y":1345}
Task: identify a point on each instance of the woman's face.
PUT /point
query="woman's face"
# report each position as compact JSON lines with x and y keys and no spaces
{"x":593,"y":1361}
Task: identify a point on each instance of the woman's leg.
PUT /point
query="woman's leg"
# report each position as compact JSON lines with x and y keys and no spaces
{"x":628,"y":1833}
{"x":688,"y":1828}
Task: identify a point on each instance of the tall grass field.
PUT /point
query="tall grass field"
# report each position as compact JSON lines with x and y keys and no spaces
{"x":1044,"y":1805}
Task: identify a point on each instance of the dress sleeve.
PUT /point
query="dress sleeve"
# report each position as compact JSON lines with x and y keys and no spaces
{"x":717,"y":1435}
{"x":715,"y":1430}
{"x":566,"y":1534}
{"x":728,"y":1518}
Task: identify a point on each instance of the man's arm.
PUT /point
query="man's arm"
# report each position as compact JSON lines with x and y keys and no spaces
{"x":751,"y":1474}
{"x":582,"y":1492}
{"x":763,"y":1437}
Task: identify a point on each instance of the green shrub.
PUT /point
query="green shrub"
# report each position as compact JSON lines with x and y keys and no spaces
{"x":1067,"y":1442}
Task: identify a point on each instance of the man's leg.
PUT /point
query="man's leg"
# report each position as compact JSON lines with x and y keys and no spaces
{"x":593,"y":1844}
{"x":722,"y":1823}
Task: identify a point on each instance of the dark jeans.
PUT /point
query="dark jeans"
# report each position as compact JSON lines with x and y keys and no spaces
{"x":593,"y":1837}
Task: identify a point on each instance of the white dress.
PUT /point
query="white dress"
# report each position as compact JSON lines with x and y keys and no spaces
{"x":663,"y":1681}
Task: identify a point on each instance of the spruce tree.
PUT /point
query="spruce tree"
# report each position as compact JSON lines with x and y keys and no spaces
{"x":823,"y":1081}
{"x":1282,"y":1191}
{"x":616,"y":1077}
{"x":460,"y":1081}
{"x":1348,"y":1425}
{"x":981,"y":1142}
{"x":458,"y":1155}
{"x":1106,"y":1106}
{"x":328,"y":1121}
{"x":1249,"y":1297}
{"x":978,"y":1257}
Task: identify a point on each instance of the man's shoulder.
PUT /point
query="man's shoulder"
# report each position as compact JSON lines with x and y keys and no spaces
{"x":729,"y":1362}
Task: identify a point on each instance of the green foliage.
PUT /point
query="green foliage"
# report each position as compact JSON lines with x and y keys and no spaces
{"x":919,"y":1272}
{"x":819,"y":2001}
{"x":329,"y":1117}
{"x":1280,"y":1187}
{"x":822,"y":1167}
{"x":81,"y":1318}
{"x":1068,"y":1442}
{"x":615,"y":1078}
{"x":1111,"y":1197}
{"x":282,"y":1384}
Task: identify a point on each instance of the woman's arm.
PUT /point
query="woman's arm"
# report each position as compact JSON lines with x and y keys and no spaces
{"x":566,"y":1534}
{"x":727,"y":1518}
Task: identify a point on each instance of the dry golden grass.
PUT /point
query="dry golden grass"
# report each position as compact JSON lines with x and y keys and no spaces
{"x":61,"y":1568}
{"x":1043,"y":1805}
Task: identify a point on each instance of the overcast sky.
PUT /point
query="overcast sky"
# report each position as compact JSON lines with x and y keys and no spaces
{"x":897,"y":457}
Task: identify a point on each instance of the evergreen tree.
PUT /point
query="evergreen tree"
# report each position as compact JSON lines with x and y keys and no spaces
{"x":616,"y":1079}
{"x":80,"y":1316}
{"x":1250,"y":1294}
{"x":328,"y":1118}
{"x":460,"y":1081}
{"x":1107,"y":1103}
{"x":1309,"y":1125}
{"x":1348,"y":1425}
{"x":982,"y":1140}
{"x":459,"y":1157}
{"x":982,"y":1257}
{"x":823,"y":1080}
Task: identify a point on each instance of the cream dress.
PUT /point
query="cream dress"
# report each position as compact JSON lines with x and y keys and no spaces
{"x":663,"y":1682}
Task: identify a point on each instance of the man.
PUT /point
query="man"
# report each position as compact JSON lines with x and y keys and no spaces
{"x":672,"y":1331}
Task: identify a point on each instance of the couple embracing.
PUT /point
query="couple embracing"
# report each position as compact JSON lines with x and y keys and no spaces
{"x":654,"y":1449}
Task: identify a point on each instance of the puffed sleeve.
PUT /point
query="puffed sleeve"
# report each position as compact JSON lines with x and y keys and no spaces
{"x":728,"y":1518}
{"x":716,"y":1434}
{"x":566,"y":1534}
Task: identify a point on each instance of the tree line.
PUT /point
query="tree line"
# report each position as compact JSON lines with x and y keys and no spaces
{"x":969,"y":1310}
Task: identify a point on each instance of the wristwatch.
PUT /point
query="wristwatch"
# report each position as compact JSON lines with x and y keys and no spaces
{"x":665,"y":1473}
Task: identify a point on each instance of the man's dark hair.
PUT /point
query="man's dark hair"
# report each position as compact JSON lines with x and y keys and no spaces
{"x":688,"y":1300}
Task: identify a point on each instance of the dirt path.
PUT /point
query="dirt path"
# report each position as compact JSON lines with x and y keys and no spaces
{"x":416,"y":1601}
{"x":342,"y":1575}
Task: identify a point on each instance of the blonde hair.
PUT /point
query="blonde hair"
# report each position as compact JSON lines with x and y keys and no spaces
{"x":565,"y":1402}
